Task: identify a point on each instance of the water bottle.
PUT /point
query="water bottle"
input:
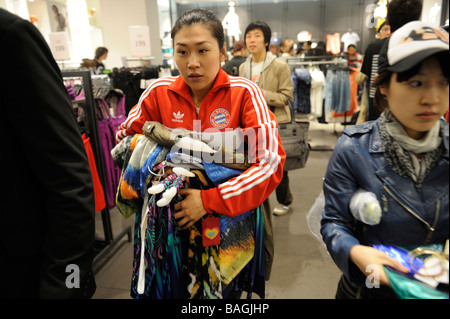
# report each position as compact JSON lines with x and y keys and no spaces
{"x":365,"y":207}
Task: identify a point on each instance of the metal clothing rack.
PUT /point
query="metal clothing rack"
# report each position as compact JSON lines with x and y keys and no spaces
{"x":305,"y":61}
{"x":103,"y":247}
{"x":148,"y":59}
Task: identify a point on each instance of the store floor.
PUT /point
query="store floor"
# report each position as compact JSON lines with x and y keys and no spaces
{"x":302,"y":267}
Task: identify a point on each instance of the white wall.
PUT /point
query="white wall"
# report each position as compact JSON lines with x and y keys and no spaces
{"x":153,"y":23}
{"x":117,"y":16}
{"x":39,"y":9}
{"x":80,"y":31}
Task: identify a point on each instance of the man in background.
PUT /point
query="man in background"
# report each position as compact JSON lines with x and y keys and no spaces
{"x":399,"y":13}
{"x":239,"y":53}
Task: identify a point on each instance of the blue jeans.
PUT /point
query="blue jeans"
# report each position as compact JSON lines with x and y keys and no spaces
{"x":337,"y":91}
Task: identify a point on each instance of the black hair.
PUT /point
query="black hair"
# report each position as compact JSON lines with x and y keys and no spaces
{"x":384,"y":79}
{"x":99,"y":52}
{"x":206,"y":17}
{"x":264,"y":27}
{"x":400,"y":12}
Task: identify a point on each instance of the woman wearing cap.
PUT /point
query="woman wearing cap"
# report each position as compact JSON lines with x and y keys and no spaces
{"x":402,"y":158}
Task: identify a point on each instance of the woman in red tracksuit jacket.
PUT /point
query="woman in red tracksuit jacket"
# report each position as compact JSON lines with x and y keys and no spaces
{"x":205,"y":98}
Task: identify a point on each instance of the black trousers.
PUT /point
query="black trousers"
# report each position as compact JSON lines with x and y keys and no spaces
{"x":284,"y":196}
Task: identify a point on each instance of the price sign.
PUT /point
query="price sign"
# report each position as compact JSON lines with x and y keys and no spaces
{"x":59,"y":46}
{"x":140,"y":41}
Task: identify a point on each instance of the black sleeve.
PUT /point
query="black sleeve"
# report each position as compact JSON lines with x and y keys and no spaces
{"x":367,"y":61}
{"x":40,"y":114}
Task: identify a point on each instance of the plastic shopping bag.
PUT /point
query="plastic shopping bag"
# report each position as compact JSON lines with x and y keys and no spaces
{"x":314,"y":217}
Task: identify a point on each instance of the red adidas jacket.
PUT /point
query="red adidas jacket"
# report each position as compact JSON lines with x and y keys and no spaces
{"x":233,"y":104}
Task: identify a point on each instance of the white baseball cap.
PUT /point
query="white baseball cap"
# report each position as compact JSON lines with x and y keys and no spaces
{"x":410,"y":45}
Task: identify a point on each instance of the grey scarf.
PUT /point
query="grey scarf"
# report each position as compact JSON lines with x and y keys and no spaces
{"x":400,"y":149}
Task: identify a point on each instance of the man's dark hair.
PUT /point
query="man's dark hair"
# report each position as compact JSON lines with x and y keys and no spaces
{"x":400,"y":12}
{"x":264,"y":27}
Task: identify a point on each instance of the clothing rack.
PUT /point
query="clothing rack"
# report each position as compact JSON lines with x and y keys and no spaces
{"x":142,"y":60}
{"x":336,"y":60}
{"x":301,"y":61}
{"x":130,"y":81}
{"x":88,"y":80}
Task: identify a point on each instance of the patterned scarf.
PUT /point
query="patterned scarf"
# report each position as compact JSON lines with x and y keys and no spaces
{"x":399,"y":149}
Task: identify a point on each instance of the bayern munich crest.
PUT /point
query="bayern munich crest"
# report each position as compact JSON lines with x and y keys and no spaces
{"x":220,"y":118}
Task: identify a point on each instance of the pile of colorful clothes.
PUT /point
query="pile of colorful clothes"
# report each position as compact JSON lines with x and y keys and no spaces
{"x":173,"y":263}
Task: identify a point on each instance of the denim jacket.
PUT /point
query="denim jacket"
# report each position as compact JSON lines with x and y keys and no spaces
{"x":410,"y":217}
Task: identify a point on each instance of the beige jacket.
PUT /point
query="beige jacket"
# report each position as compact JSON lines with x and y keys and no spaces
{"x":276,"y":83}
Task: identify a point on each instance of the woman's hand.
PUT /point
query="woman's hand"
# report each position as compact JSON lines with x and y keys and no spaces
{"x":364,"y":256}
{"x":191,"y":209}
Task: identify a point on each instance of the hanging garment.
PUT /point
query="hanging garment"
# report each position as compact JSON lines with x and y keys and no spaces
{"x":350,"y":104}
{"x":334,"y":43}
{"x":169,"y":263}
{"x":337,"y":91}
{"x":100,"y":202}
{"x":301,"y":80}
{"x":129,"y":81}
{"x":317,"y":85}
{"x":110,"y":112}
{"x":106,"y":139}
{"x":350,"y":38}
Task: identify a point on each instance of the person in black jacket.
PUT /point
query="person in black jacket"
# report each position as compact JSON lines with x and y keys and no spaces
{"x":101,"y":53}
{"x":239,"y":53}
{"x":400,"y":12}
{"x":47,"y":230}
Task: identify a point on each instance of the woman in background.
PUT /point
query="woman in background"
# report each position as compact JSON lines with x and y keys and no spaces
{"x":101,"y":53}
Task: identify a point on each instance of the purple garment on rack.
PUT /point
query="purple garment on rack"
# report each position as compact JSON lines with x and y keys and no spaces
{"x":114,"y":124}
{"x":71,"y":92}
{"x":102,"y":109}
{"x":107,"y":128}
{"x":104,"y":133}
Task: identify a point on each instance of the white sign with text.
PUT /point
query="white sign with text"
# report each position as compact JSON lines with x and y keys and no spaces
{"x":59,"y":45}
{"x":140,"y":41}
